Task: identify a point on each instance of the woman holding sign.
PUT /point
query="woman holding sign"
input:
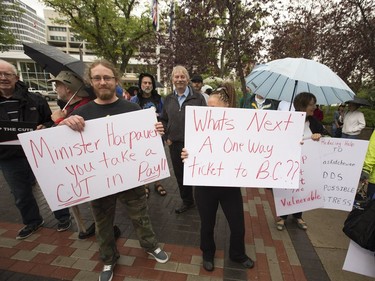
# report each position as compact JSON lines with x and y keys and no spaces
{"x":208,"y":199}
{"x":313,"y":129}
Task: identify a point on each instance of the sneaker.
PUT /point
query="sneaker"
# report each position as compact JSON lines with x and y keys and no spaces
{"x":64,"y":225}
{"x":107,"y":273}
{"x":280,"y":224}
{"x":159,"y":255}
{"x":301,"y":224}
{"x":27,"y":230}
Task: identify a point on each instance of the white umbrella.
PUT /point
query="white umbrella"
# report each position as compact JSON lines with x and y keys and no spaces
{"x":283,"y":79}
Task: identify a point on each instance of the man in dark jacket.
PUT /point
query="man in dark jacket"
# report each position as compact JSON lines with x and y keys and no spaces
{"x":19,"y":105}
{"x":173,"y":119}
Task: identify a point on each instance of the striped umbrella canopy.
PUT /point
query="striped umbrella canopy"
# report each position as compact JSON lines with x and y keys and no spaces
{"x":283,"y":79}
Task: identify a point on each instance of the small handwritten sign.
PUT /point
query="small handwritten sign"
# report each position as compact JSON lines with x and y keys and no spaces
{"x":111,"y":155}
{"x":330,"y":171}
{"x":310,"y":194}
{"x":342,"y":161}
{"x":242,"y":147}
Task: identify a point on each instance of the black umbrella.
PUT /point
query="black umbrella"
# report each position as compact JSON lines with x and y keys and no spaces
{"x":53,"y":59}
{"x":359,"y":101}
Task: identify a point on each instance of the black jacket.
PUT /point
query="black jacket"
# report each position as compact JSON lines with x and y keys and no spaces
{"x":316,"y":127}
{"x":32,"y":108}
{"x":173,"y":117}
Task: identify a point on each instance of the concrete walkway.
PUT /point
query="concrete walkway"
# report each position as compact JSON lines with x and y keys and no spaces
{"x":290,"y":255}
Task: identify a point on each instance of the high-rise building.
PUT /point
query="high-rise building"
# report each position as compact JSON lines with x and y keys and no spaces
{"x":62,"y":37}
{"x":27,"y":28}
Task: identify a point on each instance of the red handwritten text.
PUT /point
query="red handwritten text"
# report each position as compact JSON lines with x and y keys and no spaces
{"x":65,"y":152}
{"x":210,"y":123}
{"x":207,"y":169}
{"x":268,"y":125}
{"x":313,"y":195}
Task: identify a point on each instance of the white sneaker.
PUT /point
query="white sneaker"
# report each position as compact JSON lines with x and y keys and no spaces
{"x":107,"y":273}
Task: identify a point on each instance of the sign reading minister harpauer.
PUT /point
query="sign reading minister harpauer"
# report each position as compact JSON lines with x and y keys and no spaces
{"x":112,"y":154}
{"x":242,"y":147}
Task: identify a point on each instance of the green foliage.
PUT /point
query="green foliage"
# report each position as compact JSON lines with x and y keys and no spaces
{"x":110,"y":27}
{"x":9,"y":11}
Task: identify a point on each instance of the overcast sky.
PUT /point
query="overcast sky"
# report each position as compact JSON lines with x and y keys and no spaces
{"x":36,"y":5}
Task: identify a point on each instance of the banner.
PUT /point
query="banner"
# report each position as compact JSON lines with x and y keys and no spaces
{"x":9,"y":131}
{"x":111,"y":155}
{"x":330,"y":171}
{"x":242,"y":147}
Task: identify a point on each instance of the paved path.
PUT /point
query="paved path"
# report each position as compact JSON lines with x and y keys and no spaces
{"x":292,"y":255}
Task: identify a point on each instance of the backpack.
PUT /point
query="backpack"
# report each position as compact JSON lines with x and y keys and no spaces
{"x":359,"y":226}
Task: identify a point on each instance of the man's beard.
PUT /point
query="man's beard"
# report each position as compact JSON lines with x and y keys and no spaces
{"x":147,"y":91}
{"x":105,"y":95}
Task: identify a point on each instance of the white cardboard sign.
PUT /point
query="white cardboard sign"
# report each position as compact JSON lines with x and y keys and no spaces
{"x":330,"y":171}
{"x":111,"y":155}
{"x":242,"y":147}
{"x":359,"y":260}
{"x":342,"y":162}
{"x":309,"y":195}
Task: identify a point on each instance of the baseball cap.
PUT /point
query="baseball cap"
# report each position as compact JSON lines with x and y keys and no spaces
{"x":197,"y":78}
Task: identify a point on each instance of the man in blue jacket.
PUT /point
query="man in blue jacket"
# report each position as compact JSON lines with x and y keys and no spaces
{"x":19,"y":105}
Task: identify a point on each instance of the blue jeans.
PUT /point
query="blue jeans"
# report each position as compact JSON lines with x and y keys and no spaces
{"x":19,"y":177}
{"x":346,"y":136}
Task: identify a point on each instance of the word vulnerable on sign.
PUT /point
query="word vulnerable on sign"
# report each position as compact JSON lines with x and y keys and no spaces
{"x":242,"y":147}
{"x":111,"y":155}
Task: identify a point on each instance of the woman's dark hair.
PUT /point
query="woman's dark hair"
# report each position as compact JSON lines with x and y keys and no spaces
{"x":302,"y":100}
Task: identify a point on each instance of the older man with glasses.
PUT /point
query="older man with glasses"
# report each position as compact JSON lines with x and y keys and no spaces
{"x":19,"y":105}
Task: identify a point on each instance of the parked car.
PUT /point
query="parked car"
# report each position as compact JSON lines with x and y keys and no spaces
{"x":51,"y":95}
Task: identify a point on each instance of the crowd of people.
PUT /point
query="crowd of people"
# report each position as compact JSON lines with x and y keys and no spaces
{"x":100,"y":95}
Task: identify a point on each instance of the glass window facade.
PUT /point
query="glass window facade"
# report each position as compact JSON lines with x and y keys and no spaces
{"x":34,"y":76}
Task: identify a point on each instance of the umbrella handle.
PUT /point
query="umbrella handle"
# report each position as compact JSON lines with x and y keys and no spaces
{"x":294,"y":93}
{"x":72,"y":98}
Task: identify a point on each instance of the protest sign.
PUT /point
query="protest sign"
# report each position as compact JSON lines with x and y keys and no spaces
{"x":9,"y":131}
{"x":111,"y":155}
{"x":309,"y":195}
{"x":359,"y":260}
{"x":342,"y":161}
{"x":330,"y":171}
{"x":242,"y":147}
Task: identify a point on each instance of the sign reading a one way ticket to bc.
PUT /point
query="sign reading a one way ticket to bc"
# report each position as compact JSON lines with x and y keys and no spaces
{"x":111,"y":155}
{"x":243,"y":147}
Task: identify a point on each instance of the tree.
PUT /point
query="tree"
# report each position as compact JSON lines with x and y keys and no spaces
{"x":340,"y":34}
{"x":110,"y":27}
{"x":8,"y":11}
{"x":214,"y":37}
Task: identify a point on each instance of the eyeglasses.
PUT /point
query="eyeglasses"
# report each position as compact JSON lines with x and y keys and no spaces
{"x":97,"y":79}
{"x":7,"y":75}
